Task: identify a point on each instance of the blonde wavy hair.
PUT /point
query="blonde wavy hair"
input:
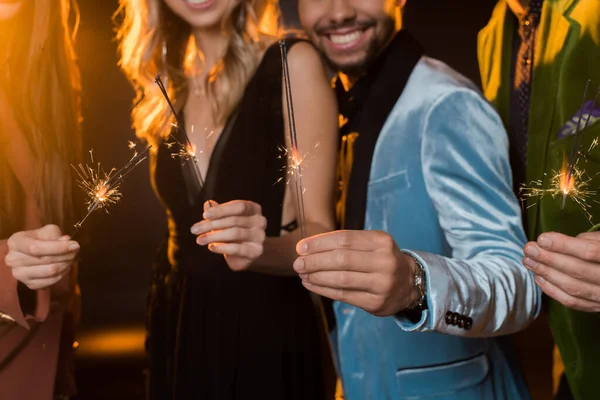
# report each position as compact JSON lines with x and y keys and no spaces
{"x":148,"y":25}
{"x":42,"y":86}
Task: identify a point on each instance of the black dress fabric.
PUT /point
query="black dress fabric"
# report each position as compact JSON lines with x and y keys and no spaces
{"x":215,"y":333}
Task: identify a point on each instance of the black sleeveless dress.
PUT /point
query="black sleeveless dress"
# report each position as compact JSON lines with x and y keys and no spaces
{"x":214,"y":333}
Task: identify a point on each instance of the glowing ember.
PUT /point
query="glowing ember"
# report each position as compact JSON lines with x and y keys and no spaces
{"x":575,"y":186}
{"x":295,"y":162}
{"x":101,"y":188}
{"x":186,"y":152}
{"x":191,"y":150}
{"x":95,"y":183}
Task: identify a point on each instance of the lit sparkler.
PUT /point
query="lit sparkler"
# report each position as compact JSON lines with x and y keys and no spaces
{"x":295,"y":162}
{"x":571,"y":182}
{"x":577,"y":141}
{"x":294,"y":159}
{"x":575,"y":186}
{"x":186,"y":153}
{"x":186,"y":150}
{"x":102,"y":189}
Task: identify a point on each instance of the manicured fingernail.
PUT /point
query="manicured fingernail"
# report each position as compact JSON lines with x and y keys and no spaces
{"x":306,"y":284}
{"x":202,"y":240}
{"x":195,"y":230}
{"x":544,"y":241}
{"x":211,"y":246}
{"x":299,"y":265}
{"x":529,"y":262}
{"x":303,"y":276}
{"x":532,"y":251}
{"x":540,"y":280}
{"x":73,"y":247}
{"x":208,"y":215}
{"x":302,"y":247}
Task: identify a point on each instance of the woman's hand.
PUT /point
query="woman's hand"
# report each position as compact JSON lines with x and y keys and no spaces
{"x":235,"y":229}
{"x":42,"y":257}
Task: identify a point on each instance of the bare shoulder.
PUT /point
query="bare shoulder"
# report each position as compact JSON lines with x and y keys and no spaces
{"x":304,"y":59}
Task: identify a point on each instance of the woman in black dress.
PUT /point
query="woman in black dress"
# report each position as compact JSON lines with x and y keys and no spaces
{"x":229,"y":318}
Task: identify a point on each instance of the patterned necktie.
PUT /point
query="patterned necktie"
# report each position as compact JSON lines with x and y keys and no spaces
{"x":523,"y":77}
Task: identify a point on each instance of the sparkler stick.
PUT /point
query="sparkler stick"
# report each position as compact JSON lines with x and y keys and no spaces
{"x":295,"y":163}
{"x":295,"y":157}
{"x":187,"y":151}
{"x":101,"y":188}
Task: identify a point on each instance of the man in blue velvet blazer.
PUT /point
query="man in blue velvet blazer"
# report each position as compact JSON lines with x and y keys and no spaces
{"x":426,"y":272}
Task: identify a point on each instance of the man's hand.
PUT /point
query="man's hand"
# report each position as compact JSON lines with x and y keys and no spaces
{"x":235,"y":229}
{"x":41,"y":258}
{"x":567,"y":268}
{"x":362,"y":268}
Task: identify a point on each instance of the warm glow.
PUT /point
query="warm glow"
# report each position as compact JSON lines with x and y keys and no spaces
{"x":101,"y":193}
{"x":190,"y":150}
{"x":112,"y":342}
{"x":296,"y":160}
{"x":566,"y":183}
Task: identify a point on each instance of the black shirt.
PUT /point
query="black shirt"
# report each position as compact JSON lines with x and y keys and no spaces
{"x":364,"y":110}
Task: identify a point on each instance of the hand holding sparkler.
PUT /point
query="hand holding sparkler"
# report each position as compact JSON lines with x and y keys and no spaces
{"x":42,"y":257}
{"x":235,"y":229}
{"x":362,"y":268}
{"x":567,"y":268}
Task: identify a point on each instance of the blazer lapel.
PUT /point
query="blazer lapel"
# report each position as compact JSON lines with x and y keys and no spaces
{"x":491,"y":51}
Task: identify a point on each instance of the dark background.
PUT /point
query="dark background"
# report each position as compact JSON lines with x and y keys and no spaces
{"x":116,"y":261}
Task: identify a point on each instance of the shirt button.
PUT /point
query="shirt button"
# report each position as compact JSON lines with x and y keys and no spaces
{"x":525,"y":22}
{"x":528,"y":61}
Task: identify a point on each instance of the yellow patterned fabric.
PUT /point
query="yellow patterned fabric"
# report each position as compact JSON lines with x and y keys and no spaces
{"x":344,"y":169}
{"x":339,"y":392}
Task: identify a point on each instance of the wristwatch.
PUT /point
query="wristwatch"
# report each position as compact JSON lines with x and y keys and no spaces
{"x":420,"y":285}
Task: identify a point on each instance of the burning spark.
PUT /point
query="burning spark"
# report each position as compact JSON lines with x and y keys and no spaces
{"x":575,"y":186}
{"x":212,"y":132}
{"x":186,"y":153}
{"x":593,"y":145}
{"x":95,"y":184}
{"x":295,"y":162}
{"x":102,"y":189}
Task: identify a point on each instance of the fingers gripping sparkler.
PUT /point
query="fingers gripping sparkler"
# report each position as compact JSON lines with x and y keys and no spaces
{"x":103,"y":189}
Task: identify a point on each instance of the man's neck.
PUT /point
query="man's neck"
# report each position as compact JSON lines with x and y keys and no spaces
{"x":518,"y":7}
